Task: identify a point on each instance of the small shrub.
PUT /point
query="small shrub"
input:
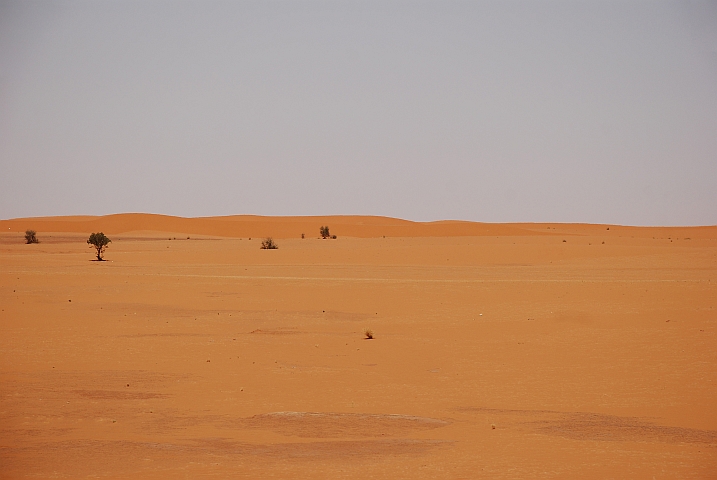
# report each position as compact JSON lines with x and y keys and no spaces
{"x":324,"y":231}
{"x":268,"y":244}
{"x":30,"y":237}
{"x":333,"y":236}
{"x":302,"y":236}
{"x":369,"y":334}
{"x":99,"y":242}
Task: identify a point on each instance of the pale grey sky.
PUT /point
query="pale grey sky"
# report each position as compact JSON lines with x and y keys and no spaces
{"x":501,"y":111}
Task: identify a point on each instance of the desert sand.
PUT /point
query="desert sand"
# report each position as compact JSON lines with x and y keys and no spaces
{"x":499,"y":350}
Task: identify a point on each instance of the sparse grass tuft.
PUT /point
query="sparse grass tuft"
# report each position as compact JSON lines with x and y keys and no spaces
{"x":369,"y":334}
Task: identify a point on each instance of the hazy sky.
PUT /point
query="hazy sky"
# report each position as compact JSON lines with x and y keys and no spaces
{"x":496,"y":111}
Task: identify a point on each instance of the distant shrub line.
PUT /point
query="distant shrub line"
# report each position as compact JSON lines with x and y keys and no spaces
{"x":99,"y":241}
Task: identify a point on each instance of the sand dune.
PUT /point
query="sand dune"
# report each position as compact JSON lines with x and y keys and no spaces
{"x":500,"y":350}
{"x":243,"y":226}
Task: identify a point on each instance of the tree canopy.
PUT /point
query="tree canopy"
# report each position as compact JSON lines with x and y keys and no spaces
{"x":99,"y":242}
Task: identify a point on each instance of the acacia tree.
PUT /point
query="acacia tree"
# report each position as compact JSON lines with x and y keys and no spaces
{"x":30,"y":237}
{"x":99,"y":242}
{"x":324,"y":231}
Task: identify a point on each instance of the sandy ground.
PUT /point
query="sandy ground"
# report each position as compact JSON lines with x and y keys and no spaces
{"x":520,"y":351}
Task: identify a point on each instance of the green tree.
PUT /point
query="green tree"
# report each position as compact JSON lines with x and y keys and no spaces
{"x":30,"y":237}
{"x":99,"y":242}
{"x":324,"y":231}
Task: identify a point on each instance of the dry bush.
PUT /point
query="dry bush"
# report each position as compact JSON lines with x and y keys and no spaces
{"x":268,"y":244}
{"x":30,"y":237}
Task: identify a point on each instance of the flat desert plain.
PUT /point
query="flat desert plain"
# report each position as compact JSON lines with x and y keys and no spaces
{"x":499,"y":351}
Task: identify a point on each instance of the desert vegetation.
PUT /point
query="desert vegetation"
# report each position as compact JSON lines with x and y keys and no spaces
{"x":368,"y":333}
{"x":324,"y":231}
{"x":99,"y":242}
{"x":31,"y":237}
{"x":268,"y":244}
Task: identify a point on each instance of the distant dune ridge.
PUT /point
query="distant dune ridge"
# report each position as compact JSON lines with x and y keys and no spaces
{"x":242,"y":226}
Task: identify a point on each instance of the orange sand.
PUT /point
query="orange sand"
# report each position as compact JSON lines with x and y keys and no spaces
{"x":208,"y":357}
